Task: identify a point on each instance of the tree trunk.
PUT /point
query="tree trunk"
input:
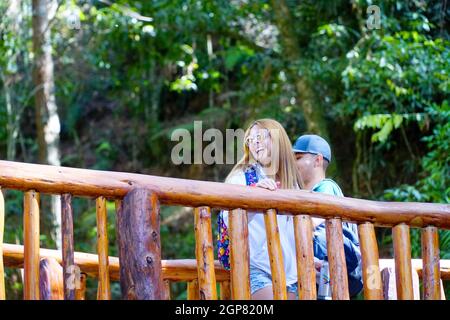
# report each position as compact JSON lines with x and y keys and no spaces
{"x":47,"y":119}
{"x":11,"y":25}
{"x":11,"y":129}
{"x":310,"y":105}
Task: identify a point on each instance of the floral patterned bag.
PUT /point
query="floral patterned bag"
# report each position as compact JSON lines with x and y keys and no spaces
{"x":223,"y":241}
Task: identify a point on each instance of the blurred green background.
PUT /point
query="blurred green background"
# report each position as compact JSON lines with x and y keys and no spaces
{"x":125,"y":74}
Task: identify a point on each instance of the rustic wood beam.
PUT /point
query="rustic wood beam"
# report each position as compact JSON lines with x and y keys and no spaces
{"x":173,"y":270}
{"x":2,"y":227}
{"x":306,"y":271}
{"x":31,"y":245}
{"x":67,"y":247}
{"x":430,"y":256}
{"x":370,"y":266}
{"x":204,"y":252}
{"x":104,"y":289}
{"x":140,"y":246}
{"x":336,"y":259}
{"x":403,"y":267}
{"x":94,"y":183}
{"x":239,"y":255}
{"x":275,"y":255}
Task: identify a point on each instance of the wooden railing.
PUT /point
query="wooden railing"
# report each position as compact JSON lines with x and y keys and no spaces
{"x":184,"y":270}
{"x":141,"y":270}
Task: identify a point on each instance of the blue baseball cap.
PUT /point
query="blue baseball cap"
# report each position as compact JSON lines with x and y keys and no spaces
{"x":311,"y":143}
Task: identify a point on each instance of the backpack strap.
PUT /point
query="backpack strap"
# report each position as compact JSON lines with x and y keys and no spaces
{"x":251,"y":177}
{"x":223,"y":240}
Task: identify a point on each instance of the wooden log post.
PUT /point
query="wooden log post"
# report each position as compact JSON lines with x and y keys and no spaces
{"x":117,"y":204}
{"x":402,"y":256}
{"x":225,"y":290}
{"x":166,"y":290}
{"x":431,"y":269}
{"x":51,"y":284}
{"x":102,"y":249}
{"x":204,"y":252}
{"x":306,"y":271}
{"x":388,"y":277}
{"x":69,"y":267}
{"x":80,"y":290}
{"x":275,"y":255}
{"x":373,"y":287}
{"x":31,"y":244}
{"x":193,"y":291}
{"x":336,"y":260}
{"x":442,"y":290}
{"x":239,"y":255}
{"x":2,"y":227}
{"x":138,"y":234}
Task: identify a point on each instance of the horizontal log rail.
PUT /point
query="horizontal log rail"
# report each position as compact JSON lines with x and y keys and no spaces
{"x":417,"y":265}
{"x":182,"y":270}
{"x":138,"y":198}
{"x":174,"y":270}
{"x":173,"y":191}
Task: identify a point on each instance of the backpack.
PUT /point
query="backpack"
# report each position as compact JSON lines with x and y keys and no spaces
{"x":351,"y":246}
{"x":223,"y":241}
{"x":351,"y":250}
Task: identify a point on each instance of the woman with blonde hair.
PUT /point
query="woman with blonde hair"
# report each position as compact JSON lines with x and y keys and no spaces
{"x":268,"y":162}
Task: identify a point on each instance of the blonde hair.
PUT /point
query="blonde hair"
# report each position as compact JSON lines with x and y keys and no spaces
{"x":283,"y":158}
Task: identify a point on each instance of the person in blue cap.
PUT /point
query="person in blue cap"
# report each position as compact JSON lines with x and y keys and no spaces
{"x":313,"y":155}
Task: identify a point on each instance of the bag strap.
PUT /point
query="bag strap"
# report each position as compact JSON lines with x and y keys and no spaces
{"x":251,"y":177}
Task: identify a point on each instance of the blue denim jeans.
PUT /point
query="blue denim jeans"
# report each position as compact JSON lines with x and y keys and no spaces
{"x":260,"y":279}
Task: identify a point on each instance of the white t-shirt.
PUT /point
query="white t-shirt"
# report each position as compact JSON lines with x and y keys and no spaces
{"x":259,"y":255}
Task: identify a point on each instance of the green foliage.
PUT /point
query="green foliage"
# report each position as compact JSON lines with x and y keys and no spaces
{"x":436,"y":181}
{"x":403,"y":72}
{"x":396,"y":87}
{"x":385,"y":122}
{"x":136,"y":70}
{"x":13,"y":216}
